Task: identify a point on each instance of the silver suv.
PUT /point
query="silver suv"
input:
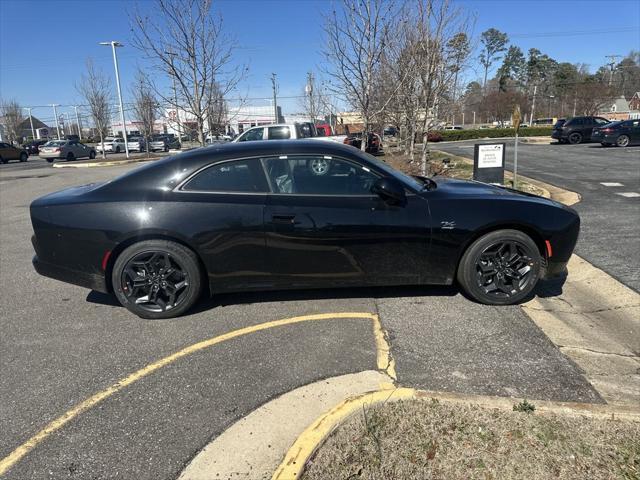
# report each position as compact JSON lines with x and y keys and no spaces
{"x":65,"y":149}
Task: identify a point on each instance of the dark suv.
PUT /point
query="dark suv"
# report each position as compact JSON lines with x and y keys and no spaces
{"x":576,"y":129}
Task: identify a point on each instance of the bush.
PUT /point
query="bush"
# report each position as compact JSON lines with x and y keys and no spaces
{"x":434,"y":137}
{"x":451,"y":135}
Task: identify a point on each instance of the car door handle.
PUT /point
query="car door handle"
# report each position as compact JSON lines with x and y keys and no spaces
{"x":286,"y":219}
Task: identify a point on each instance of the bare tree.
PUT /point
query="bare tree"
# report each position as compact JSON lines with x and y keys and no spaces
{"x":312,"y":101}
{"x":356,"y":37}
{"x":96,"y":89}
{"x":11,"y":117}
{"x":145,"y":106}
{"x":186,"y":41}
{"x":437,"y":23}
{"x":217,"y":111}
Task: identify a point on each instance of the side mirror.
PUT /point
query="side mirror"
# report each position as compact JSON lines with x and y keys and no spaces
{"x":391,"y":191}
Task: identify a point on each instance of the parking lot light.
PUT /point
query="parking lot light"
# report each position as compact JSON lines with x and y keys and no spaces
{"x":115,"y":44}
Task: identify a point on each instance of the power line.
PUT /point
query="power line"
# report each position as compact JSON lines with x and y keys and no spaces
{"x":572,"y":33}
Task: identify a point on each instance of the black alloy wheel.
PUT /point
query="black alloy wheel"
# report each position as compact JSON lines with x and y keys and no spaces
{"x":575,"y":138}
{"x":500,"y":268}
{"x":157,"y":279}
{"x":23,"y":157}
{"x":622,"y":141}
{"x":92,"y":154}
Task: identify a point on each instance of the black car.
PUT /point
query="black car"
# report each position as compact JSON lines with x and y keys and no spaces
{"x":33,"y":147}
{"x":622,"y":134}
{"x":264,"y":215}
{"x":576,"y":129}
{"x":374,"y":143}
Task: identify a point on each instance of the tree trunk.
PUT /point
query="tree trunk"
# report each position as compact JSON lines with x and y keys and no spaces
{"x":104,"y":154}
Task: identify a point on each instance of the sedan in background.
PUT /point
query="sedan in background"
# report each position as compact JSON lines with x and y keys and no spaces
{"x":65,"y":149}
{"x":33,"y":147}
{"x":621,"y":134}
{"x":264,"y":216}
{"x":9,"y":152}
{"x":137,"y":144}
{"x":163,"y":143}
{"x":112,"y":145}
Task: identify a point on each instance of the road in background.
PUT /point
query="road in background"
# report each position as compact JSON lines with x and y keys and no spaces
{"x":608,"y":179}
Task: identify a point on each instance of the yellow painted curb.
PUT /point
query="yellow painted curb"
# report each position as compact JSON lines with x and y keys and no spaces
{"x":384,"y":361}
{"x":312,"y":438}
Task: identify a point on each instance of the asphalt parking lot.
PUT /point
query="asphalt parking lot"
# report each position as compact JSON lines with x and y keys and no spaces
{"x":61,"y":344}
{"x":608,"y":179}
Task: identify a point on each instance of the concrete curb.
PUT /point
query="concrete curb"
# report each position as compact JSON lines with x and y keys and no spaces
{"x":312,"y":438}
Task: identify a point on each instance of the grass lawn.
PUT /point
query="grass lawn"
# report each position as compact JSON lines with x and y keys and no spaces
{"x":428,"y":439}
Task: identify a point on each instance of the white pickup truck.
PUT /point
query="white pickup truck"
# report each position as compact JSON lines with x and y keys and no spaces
{"x":286,"y":131}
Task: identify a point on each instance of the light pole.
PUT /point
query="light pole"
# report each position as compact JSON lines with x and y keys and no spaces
{"x":115,"y":64}
{"x":533,"y":105}
{"x":551,"y":97}
{"x":78,"y":122}
{"x":55,"y":115}
{"x":33,"y":132}
{"x":175,"y":97}
{"x":275,"y":102}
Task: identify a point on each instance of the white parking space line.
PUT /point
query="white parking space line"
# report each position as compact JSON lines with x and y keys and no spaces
{"x":611,"y":184}
{"x":629,"y":194}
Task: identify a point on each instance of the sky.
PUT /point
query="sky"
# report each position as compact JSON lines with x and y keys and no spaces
{"x":44,"y":43}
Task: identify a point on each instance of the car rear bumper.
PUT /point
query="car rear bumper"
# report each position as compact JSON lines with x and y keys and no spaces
{"x":75,"y":277}
{"x":42,"y":154}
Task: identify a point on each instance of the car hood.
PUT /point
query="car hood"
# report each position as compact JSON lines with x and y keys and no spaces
{"x":472,"y":188}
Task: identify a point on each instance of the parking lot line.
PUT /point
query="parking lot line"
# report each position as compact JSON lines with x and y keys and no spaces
{"x":611,"y":184}
{"x":384,"y":363}
{"x":628,"y":194}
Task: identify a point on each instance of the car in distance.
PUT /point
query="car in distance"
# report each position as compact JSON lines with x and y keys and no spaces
{"x":9,"y":152}
{"x":374,"y":145}
{"x":137,"y":144}
{"x":112,"y":145}
{"x":65,"y":149}
{"x":576,"y":129}
{"x":286,"y":131}
{"x":33,"y":147}
{"x":163,"y":143}
{"x":621,"y":134}
{"x":282,"y":215}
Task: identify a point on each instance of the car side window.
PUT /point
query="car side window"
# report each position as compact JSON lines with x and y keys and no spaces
{"x":279,"y":133}
{"x":252,"y":135}
{"x":319,"y":175}
{"x":601,"y":121}
{"x":235,"y":176}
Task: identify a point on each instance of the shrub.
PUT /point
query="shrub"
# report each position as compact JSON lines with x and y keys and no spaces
{"x":450,"y":135}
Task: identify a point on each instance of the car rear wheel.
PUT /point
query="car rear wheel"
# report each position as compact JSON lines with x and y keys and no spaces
{"x":50,"y":160}
{"x":575,"y":138}
{"x":117,"y":149}
{"x":166,"y":149}
{"x":500,"y":268}
{"x":157,"y":279}
{"x":23,"y":157}
{"x":3,"y":160}
{"x":622,"y":141}
{"x":70,"y":157}
{"x":92,"y":154}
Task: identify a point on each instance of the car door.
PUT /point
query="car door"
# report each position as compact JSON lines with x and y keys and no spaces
{"x":634,"y":131}
{"x":5,"y":151}
{"x":324,"y":227}
{"x":225,"y":218}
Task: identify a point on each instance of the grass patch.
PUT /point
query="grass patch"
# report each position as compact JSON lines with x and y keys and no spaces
{"x":422,"y":439}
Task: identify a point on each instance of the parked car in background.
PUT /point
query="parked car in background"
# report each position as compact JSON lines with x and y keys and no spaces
{"x":453,"y":127}
{"x":137,"y":144}
{"x":285,"y":131}
{"x":163,"y":143}
{"x":9,"y":152}
{"x":65,"y":149}
{"x":621,"y":134}
{"x":374,"y":143}
{"x":576,"y":129}
{"x":33,"y":147}
{"x":112,"y":145}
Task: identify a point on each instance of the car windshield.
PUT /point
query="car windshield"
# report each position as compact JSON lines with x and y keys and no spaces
{"x":560,"y":123}
{"x":612,"y":124}
{"x":415,"y":183}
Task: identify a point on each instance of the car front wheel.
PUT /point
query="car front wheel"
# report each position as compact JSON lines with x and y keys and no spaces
{"x":157,"y":279}
{"x":500,"y":268}
{"x":575,"y":138}
{"x":622,"y":141}
{"x":92,"y":154}
{"x":23,"y":157}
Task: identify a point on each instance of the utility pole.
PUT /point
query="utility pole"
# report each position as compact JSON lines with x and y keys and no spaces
{"x":611,"y":64}
{"x":33,"y":132}
{"x":275,"y":103}
{"x":474,"y":119}
{"x":309,"y":91}
{"x":175,"y":98}
{"x":533,"y":104}
{"x":575,"y":102}
{"x":78,"y":122}
{"x":115,"y":44}
{"x":55,"y":115}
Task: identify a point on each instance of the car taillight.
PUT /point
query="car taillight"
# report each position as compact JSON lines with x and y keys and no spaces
{"x":57,"y":150}
{"x":607,"y":130}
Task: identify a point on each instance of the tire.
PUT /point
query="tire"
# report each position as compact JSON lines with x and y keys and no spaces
{"x":166,"y":149}
{"x":3,"y":160}
{"x":150,"y":260}
{"x":508,"y":253}
{"x":575,"y":138}
{"x":622,"y":141}
{"x":117,"y":149}
{"x":24,"y":157}
{"x":50,"y":160}
{"x":70,"y":157}
{"x":92,"y":155}
{"x":319,"y":166}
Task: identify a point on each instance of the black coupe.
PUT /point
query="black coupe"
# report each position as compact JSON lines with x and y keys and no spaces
{"x":293,"y":214}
